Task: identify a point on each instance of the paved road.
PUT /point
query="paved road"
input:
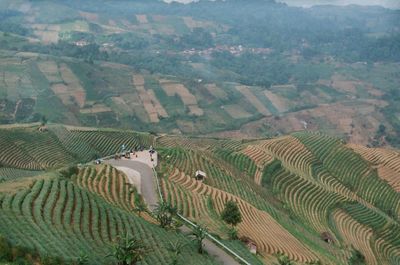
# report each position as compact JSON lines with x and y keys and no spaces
{"x":149,"y":192}
{"x":147,"y":182}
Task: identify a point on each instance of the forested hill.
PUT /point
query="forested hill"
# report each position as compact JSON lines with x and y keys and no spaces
{"x":243,"y":68}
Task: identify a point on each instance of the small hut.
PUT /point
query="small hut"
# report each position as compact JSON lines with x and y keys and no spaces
{"x":327,"y":237}
{"x":251,"y":245}
{"x":200,"y":175}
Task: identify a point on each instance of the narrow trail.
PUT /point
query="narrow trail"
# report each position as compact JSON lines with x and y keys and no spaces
{"x":148,"y":189}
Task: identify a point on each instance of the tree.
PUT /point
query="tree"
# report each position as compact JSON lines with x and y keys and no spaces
{"x":356,"y":258}
{"x":128,"y":250}
{"x":164,"y":213}
{"x":140,"y":206}
{"x":199,"y":234}
{"x":43,"y":121}
{"x":231,"y":214}
{"x":284,"y":260}
{"x":176,"y":250}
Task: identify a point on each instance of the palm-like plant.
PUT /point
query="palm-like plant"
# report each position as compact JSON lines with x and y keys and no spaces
{"x":176,"y":250}
{"x":140,"y":206}
{"x":164,"y":213}
{"x":128,"y":250}
{"x":199,"y":234}
{"x":83,"y":259}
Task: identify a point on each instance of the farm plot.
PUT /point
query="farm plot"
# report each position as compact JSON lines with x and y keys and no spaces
{"x":356,"y":235}
{"x":64,"y":83}
{"x":236,"y":111}
{"x":260,"y":158}
{"x":281,"y":104}
{"x":149,"y":100}
{"x":142,"y":18}
{"x":192,"y":23}
{"x":253,"y":100}
{"x":50,"y":71}
{"x":47,"y":33}
{"x":97,"y":108}
{"x":172,"y":88}
{"x":385,"y":161}
{"x":269,"y":235}
{"x":216,"y":91}
{"x":62,"y":219}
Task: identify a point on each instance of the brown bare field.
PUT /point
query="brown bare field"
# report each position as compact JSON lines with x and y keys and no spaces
{"x":186,"y":126}
{"x":260,"y":158}
{"x":158,"y":18}
{"x":386,"y":161}
{"x":74,"y":86}
{"x":160,"y":109}
{"x":142,"y":19}
{"x":65,"y":83}
{"x":279,"y":102}
{"x":98,"y":108}
{"x":355,"y":234}
{"x":358,"y":120}
{"x":236,"y":111}
{"x":149,"y":100}
{"x":50,"y":70}
{"x":47,"y":34}
{"x":171,"y":89}
{"x":341,"y":84}
{"x":216,"y":91}
{"x":288,"y":86}
{"x":138,"y":80}
{"x":89,"y":16}
{"x":27,"y":54}
{"x":253,"y":100}
{"x":269,"y":235}
{"x":191,"y":23}
{"x":121,"y":106}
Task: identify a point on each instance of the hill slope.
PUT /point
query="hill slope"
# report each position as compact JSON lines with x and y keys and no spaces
{"x":293,"y":192}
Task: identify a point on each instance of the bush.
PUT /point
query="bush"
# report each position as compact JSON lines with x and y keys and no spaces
{"x":69,"y":171}
{"x":5,"y":250}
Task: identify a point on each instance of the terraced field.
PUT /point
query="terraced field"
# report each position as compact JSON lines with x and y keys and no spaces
{"x":292,"y":192}
{"x":31,"y":149}
{"x":315,"y":180}
{"x":58,"y":218}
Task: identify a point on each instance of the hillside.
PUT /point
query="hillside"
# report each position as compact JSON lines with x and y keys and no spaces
{"x":198,"y":69}
{"x":291,"y":191}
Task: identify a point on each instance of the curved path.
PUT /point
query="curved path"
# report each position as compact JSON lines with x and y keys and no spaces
{"x":148,"y":189}
{"x":147,"y":184}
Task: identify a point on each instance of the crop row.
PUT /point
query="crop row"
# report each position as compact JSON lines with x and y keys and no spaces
{"x":58,"y":218}
{"x":258,"y":225}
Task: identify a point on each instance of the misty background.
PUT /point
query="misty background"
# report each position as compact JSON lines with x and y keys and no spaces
{"x":308,"y":3}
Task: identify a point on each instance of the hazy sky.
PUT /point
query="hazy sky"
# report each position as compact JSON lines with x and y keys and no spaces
{"x":385,"y":3}
{"x":307,"y":3}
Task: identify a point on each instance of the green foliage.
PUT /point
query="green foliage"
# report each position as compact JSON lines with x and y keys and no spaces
{"x":233,"y":233}
{"x":175,"y":248}
{"x":199,"y":234}
{"x":140,"y":206}
{"x":356,"y":258}
{"x":69,"y":171}
{"x":284,"y":260}
{"x":231,"y":213}
{"x":83,"y":259}
{"x":164,"y":213}
{"x":128,"y":250}
{"x":269,"y":172}
{"x":5,"y":250}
